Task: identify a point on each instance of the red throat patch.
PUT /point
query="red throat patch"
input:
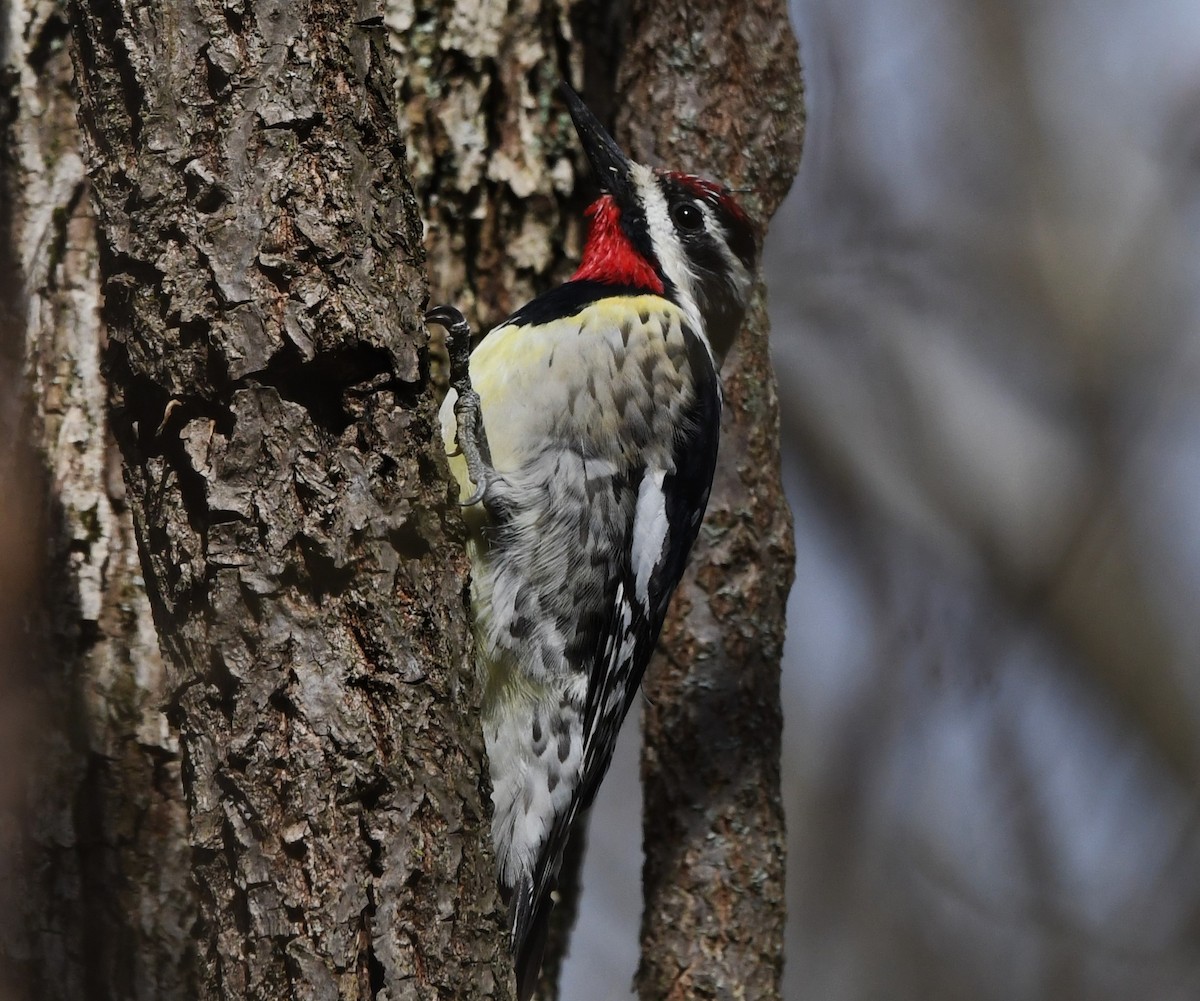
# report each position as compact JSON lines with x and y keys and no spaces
{"x":608,"y":256}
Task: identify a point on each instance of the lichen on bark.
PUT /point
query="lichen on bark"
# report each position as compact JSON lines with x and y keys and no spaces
{"x":96,"y":897}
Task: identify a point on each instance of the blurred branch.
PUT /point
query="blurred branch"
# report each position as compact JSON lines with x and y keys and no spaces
{"x":98,"y":895}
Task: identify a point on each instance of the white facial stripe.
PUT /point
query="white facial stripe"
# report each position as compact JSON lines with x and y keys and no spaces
{"x":666,"y":244}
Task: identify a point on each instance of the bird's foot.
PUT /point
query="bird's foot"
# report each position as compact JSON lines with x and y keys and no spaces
{"x":470,"y":436}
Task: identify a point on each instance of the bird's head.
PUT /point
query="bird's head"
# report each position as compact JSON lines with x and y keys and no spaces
{"x":676,"y":234}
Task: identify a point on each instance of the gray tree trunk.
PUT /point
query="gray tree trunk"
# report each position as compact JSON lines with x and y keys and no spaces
{"x":288,"y":804}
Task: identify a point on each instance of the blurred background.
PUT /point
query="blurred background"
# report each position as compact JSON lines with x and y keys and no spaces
{"x":986,"y":326}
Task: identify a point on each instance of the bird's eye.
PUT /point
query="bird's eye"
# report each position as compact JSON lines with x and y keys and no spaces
{"x":687,"y":217}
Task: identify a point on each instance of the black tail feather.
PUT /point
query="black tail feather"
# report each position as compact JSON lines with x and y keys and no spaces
{"x":530,"y":922}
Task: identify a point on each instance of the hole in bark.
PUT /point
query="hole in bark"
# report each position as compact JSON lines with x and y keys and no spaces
{"x":408,"y":541}
{"x":277,"y":276}
{"x":386,"y":470}
{"x":218,"y":80}
{"x":281,"y":701}
{"x":193,"y":331}
{"x":211,"y":198}
{"x":375,"y":970}
{"x":53,"y":34}
{"x":369,"y":796}
{"x":375,"y":973}
{"x":324,"y":575}
{"x":175,"y":716}
{"x":319,"y":385}
{"x":88,"y":636}
{"x":295,"y":850}
{"x":224,"y":682}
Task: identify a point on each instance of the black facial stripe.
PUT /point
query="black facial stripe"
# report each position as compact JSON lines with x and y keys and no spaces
{"x":638,"y":231}
{"x":738,"y":235}
{"x":636,"y":227}
{"x":704,"y":253}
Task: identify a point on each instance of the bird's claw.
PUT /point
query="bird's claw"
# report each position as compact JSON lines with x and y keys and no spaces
{"x":476,"y":497}
{"x":470,"y":436}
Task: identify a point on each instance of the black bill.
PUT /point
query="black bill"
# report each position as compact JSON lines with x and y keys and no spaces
{"x":607,"y":158}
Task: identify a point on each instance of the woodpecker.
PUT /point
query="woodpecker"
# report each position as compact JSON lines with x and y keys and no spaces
{"x":583,"y":432}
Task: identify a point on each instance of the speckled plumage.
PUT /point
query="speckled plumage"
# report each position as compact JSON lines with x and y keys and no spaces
{"x":599,"y":411}
{"x":590,"y":420}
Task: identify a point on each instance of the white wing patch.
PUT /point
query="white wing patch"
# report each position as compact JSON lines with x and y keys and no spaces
{"x":650,"y":527}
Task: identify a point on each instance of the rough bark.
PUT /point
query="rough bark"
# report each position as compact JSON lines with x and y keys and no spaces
{"x":494,"y":157}
{"x":97,"y":900}
{"x":260,"y":250}
{"x":501,"y":181}
{"x":260,"y":260}
{"x":715,"y":87}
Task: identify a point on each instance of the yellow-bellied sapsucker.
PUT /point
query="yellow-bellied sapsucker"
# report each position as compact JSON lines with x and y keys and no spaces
{"x":587,"y":438}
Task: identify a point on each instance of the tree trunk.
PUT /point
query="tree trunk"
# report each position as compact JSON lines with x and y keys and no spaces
{"x":288,"y":804}
{"x":261,"y":257}
{"x":715,"y":87}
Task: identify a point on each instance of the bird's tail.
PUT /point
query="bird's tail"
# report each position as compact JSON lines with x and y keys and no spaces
{"x":529,"y":914}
